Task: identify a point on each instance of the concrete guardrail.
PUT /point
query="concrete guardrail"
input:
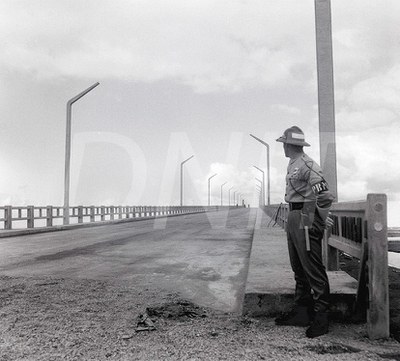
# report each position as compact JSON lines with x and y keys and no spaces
{"x":30,"y":216}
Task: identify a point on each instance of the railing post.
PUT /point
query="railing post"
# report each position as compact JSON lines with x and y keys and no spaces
{"x":49,"y":216}
{"x":66,"y":212}
{"x":378,"y":279}
{"x":80,"y":214}
{"x":332,"y":259}
{"x":332,"y":253}
{"x":8,"y":217}
{"x":30,"y":217}
{"x":92,"y":214}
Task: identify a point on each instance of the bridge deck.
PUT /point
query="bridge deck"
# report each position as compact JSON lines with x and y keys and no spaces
{"x":204,"y":257}
{"x":270,"y":282}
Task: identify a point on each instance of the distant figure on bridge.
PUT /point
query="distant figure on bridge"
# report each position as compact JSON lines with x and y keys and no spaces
{"x":309,"y":201}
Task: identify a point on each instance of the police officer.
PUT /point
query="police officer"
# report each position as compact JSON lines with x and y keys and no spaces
{"x":309,"y":200}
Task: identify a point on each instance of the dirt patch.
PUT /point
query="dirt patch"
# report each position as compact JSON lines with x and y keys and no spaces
{"x":332,"y":349}
{"x":177,"y":310}
{"x":49,"y":319}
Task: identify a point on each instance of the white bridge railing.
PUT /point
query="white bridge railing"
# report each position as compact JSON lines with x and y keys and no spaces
{"x":360,"y":230}
{"x":49,"y":216}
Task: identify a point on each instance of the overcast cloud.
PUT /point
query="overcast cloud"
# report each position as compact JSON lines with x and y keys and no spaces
{"x":180,"y":77}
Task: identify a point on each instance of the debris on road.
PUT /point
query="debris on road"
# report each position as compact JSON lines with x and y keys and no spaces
{"x":177,"y":310}
{"x":145,"y":323}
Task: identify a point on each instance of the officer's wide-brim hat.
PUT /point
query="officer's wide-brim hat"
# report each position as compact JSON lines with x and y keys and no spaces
{"x":293,"y":135}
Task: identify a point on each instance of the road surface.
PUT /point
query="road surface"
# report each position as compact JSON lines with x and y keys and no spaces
{"x":204,"y":257}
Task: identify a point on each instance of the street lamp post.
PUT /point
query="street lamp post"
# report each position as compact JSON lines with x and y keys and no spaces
{"x":234,"y":198}
{"x":68,"y":151}
{"x":263,"y":184}
{"x":209,"y":188}
{"x":221,"y":194}
{"x":268,"y":169}
{"x":186,"y":160}
{"x":229,"y":196}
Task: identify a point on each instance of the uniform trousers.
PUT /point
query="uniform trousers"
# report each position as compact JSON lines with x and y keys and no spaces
{"x":312,"y":284}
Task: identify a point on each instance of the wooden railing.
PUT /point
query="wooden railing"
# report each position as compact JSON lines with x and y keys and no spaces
{"x":393,"y":232}
{"x":30,"y":216}
{"x":359,"y":230}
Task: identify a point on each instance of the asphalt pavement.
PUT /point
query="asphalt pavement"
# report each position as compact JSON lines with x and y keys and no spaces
{"x":204,"y":257}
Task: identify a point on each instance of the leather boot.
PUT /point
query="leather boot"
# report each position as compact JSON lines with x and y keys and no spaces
{"x":319,"y":326}
{"x":298,"y":316}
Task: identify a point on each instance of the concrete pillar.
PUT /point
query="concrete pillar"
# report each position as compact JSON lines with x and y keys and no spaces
{"x":326,"y":102}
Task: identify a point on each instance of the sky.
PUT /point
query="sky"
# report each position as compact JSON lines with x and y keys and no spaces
{"x":184,"y":77}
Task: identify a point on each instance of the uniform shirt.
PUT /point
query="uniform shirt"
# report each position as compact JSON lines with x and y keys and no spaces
{"x":305,"y":183}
